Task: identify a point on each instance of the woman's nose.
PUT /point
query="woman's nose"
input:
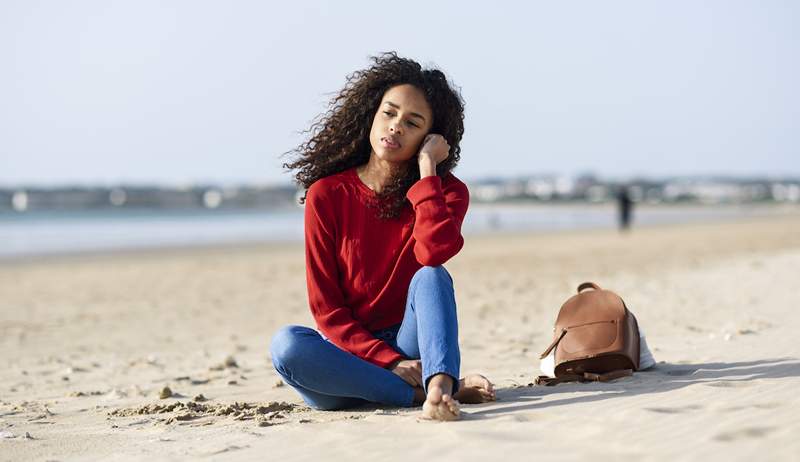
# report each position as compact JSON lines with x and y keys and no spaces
{"x":395,"y":128}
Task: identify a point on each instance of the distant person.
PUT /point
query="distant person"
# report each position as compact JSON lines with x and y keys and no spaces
{"x":625,"y":208}
{"x":383,"y":213}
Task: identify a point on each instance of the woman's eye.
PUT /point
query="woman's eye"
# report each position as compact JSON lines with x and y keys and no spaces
{"x":392,"y":114}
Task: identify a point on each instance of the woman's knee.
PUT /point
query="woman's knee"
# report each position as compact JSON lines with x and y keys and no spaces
{"x":432,"y":276}
{"x":436,"y":274}
{"x":288,"y":343}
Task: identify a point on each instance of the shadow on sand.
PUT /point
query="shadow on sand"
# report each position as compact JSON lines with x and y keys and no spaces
{"x":660,"y":379}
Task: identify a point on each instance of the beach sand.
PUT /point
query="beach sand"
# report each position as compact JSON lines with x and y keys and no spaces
{"x":90,"y":342}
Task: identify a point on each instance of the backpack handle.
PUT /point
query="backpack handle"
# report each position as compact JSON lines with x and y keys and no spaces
{"x":588,"y":285}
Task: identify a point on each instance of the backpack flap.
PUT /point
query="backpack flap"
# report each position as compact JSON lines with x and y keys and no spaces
{"x":594,"y":333}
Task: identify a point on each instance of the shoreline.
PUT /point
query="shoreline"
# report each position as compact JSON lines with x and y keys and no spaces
{"x":754,"y":213}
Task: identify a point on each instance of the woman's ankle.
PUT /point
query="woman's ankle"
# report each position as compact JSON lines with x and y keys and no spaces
{"x":442,"y":381}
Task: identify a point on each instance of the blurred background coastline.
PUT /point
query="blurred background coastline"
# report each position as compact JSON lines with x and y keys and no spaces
{"x":115,"y":138}
{"x":65,"y":220}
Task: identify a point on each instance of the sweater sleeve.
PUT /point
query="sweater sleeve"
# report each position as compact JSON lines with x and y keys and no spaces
{"x":325,"y":297}
{"x":439,"y":212}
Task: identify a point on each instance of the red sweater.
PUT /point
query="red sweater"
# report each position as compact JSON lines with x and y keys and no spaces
{"x":359,"y":266}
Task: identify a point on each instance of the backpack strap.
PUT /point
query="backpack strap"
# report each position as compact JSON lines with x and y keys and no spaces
{"x":553,"y":344}
{"x":552,"y":381}
{"x":585,"y":377}
{"x":608,"y":376}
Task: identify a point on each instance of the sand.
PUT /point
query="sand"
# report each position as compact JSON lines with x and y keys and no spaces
{"x":89,"y":344}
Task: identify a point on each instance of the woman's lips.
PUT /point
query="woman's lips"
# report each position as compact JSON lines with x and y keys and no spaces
{"x":389,"y":143}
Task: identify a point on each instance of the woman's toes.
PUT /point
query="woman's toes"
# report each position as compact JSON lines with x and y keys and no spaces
{"x":474,"y":395}
{"x":449,"y":408}
{"x":478,"y":381}
{"x":454,"y":410}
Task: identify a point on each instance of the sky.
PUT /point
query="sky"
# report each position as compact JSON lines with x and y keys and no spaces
{"x":178,"y":92}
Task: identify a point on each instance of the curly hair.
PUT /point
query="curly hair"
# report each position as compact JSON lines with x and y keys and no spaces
{"x":339,"y":138}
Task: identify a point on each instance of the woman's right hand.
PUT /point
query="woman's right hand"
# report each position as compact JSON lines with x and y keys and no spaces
{"x":410,"y":370}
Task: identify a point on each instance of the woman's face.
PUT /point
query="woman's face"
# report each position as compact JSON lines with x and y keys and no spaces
{"x":400,"y":124}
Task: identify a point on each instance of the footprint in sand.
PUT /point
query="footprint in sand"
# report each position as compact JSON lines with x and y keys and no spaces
{"x":751,"y":432}
{"x":772,"y":405}
{"x":674,"y":410}
{"x":230,"y":448}
{"x":681,"y":372}
{"x":745,"y":407}
{"x":729,"y":384}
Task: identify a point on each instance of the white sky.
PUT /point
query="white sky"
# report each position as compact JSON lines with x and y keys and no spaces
{"x":193,"y":91}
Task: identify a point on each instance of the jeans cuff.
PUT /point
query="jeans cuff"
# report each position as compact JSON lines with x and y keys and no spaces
{"x":442,"y":370}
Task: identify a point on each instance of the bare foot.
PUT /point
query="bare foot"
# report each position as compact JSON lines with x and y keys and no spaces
{"x":439,"y":405}
{"x":475,"y":389}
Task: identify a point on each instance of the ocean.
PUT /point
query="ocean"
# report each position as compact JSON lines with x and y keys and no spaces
{"x":49,"y":233}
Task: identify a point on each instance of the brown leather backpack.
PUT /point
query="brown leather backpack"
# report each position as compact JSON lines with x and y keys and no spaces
{"x":595,"y":338}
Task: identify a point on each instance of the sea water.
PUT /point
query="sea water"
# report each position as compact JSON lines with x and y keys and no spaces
{"x":45,"y":233}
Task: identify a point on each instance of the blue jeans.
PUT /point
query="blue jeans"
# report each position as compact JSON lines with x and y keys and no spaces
{"x":328,"y":377}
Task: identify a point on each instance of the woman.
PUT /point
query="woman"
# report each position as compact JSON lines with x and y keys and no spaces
{"x":383,"y":213}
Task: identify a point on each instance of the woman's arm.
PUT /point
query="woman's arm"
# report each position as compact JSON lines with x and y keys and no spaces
{"x":439,"y":213}
{"x":439,"y":207}
{"x":325,"y":297}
